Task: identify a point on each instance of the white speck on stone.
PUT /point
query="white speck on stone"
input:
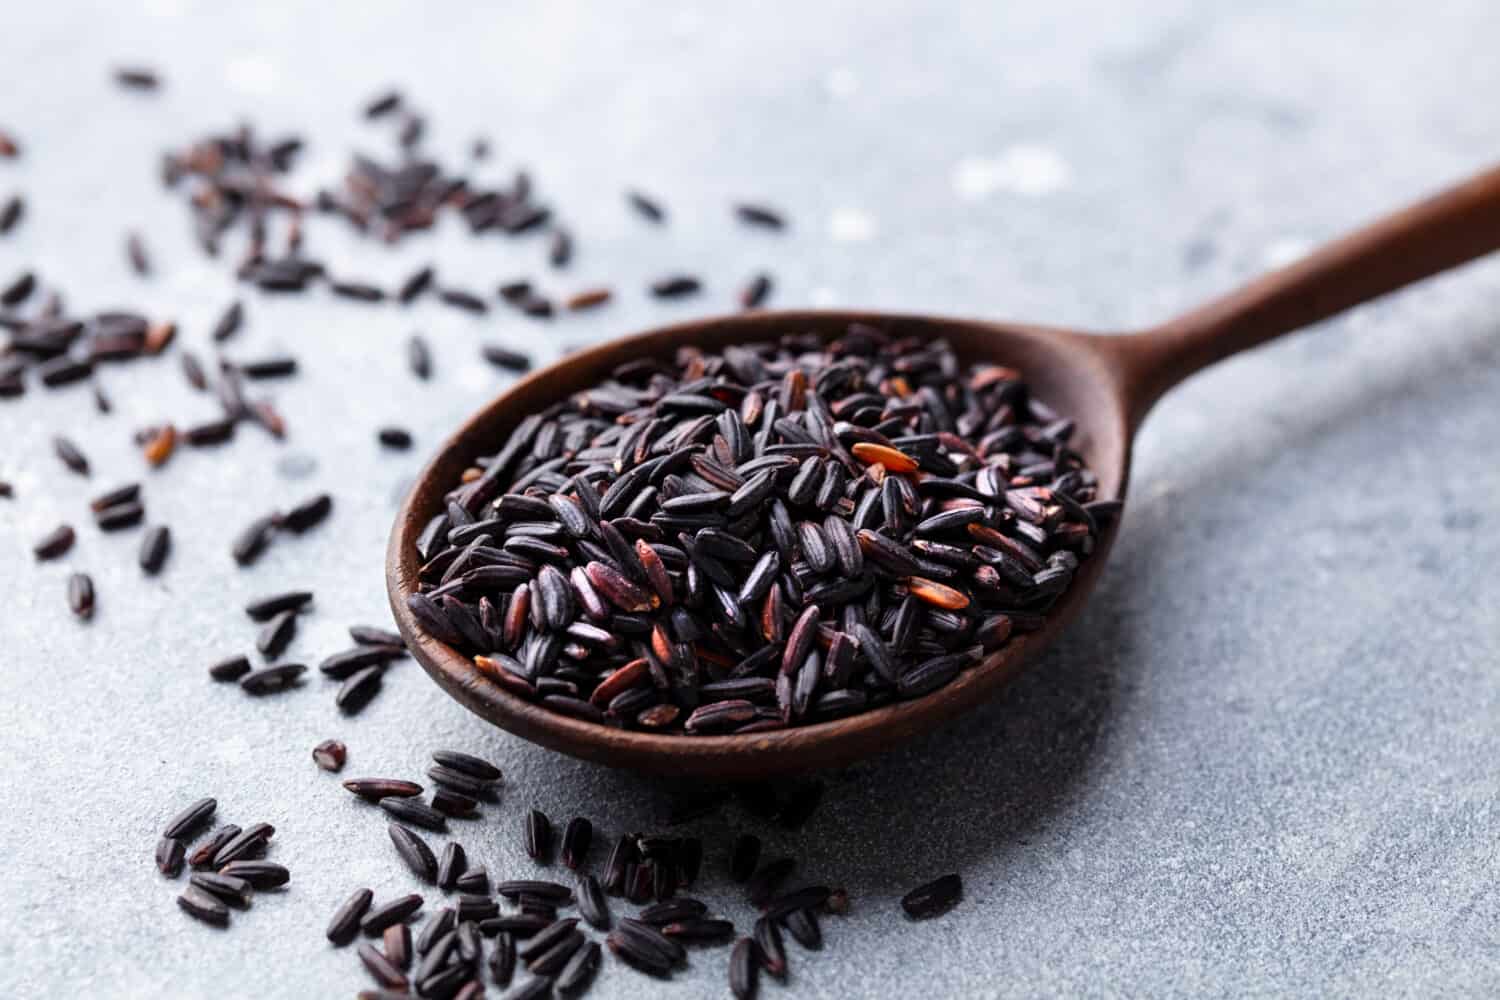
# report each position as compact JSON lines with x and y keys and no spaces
{"x":251,"y":74}
{"x":1022,"y":169}
{"x":850,"y":225}
{"x":824,"y":297}
{"x":841,"y":83}
{"x":1285,"y":251}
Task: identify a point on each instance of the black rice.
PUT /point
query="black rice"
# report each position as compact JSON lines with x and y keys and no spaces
{"x":785,"y":533}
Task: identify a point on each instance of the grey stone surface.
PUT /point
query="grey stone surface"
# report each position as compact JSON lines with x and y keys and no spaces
{"x":1262,"y":763}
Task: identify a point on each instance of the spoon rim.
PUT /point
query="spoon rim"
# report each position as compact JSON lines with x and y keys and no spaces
{"x":795,"y":748}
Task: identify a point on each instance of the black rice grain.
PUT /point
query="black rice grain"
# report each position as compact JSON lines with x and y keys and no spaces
{"x":260,"y":874}
{"x":386,"y":915}
{"x":277,"y":634}
{"x":330,"y":755}
{"x":81,"y":595}
{"x":375,"y":789}
{"x":231,"y":669}
{"x":169,"y":856}
{"x":70,"y":456}
{"x":191,"y":819}
{"x":468,"y":764}
{"x":199,"y":904}
{"x":933,"y":898}
{"x":417,"y":813}
{"x":414,"y":852}
{"x":55,"y":543}
{"x":156,"y":544}
{"x":577,"y":838}
{"x":743,"y":969}
{"x":203,"y":854}
{"x":538,"y":837}
{"x":451,"y":866}
{"x":308,"y":514}
{"x":346,"y":919}
{"x":271,"y":679}
{"x":234,"y":891}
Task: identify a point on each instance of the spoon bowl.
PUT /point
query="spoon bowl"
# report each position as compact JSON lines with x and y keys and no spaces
{"x":1107,"y":384}
{"x":1074,"y":375}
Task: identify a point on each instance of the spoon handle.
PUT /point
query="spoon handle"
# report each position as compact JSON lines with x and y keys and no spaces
{"x":1433,"y":235}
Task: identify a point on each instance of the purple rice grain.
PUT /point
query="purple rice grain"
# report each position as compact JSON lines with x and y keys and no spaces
{"x":191,"y":819}
{"x":398,"y":910}
{"x":769,"y":949}
{"x":229,"y":322}
{"x":55,"y":543}
{"x":330,"y":755}
{"x":502,"y":357}
{"x":760,"y":216}
{"x":137,"y":78}
{"x":268,"y":607}
{"x":419,"y":357}
{"x":589,"y":298}
{"x":755,"y":291}
{"x":350,"y":661}
{"x":231,"y":669}
{"x":743,"y":969}
{"x":802,"y":925}
{"x":437,"y":927}
{"x":475,"y":767}
{"x":414,"y":852}
{"x":11,"y":211}
{"x":169,"y":856}
{"x":308,"y":514}
{"x":646,"y":207}
{"x":580,"y":970}
{"x":577,"y":838}
{"x":475,"y":879}
{"x":465,"y":300}
{"x":203,"y":854}
{"x":272,"y":679}
{"x":932,"y":899}
{"x":234,"y":891}
{"x":260,"y":874}
{"x":199,"y":904}
{"x":451,"y":866}
{"x":538,"y":837}
{"x":503,"y":960}
{"x":136,"y":254}
{"x":419,"y":281}
{"x":675,"y":286}
{"x":371,"y":635}
{"x":253,"y":541}
{"x":381,"y":969}
{"x":451,"y":803}
{"x":18,"y":290}
{"x":81,"y":595}
{"x":70,"y":456}
{"x":417,"y":813}
{"x":247,"y":843}
{"x":396,"y":940}
{"x":359,"y":689}
{"x":376,"y":789}
{"x":458,"y":781}
{"x":277,"y":634}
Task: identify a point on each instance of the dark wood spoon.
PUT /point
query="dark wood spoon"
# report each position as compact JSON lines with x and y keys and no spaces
{"x":1106,"y":383}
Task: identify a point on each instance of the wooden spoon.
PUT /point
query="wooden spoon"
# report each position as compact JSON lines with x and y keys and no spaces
{"x":1106,"y":383}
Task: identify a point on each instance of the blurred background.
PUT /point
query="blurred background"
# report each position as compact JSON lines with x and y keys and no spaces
{"x":1260,"y":764}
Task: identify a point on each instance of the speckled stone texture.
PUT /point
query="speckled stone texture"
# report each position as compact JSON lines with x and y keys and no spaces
{"x":1261,"y":764}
